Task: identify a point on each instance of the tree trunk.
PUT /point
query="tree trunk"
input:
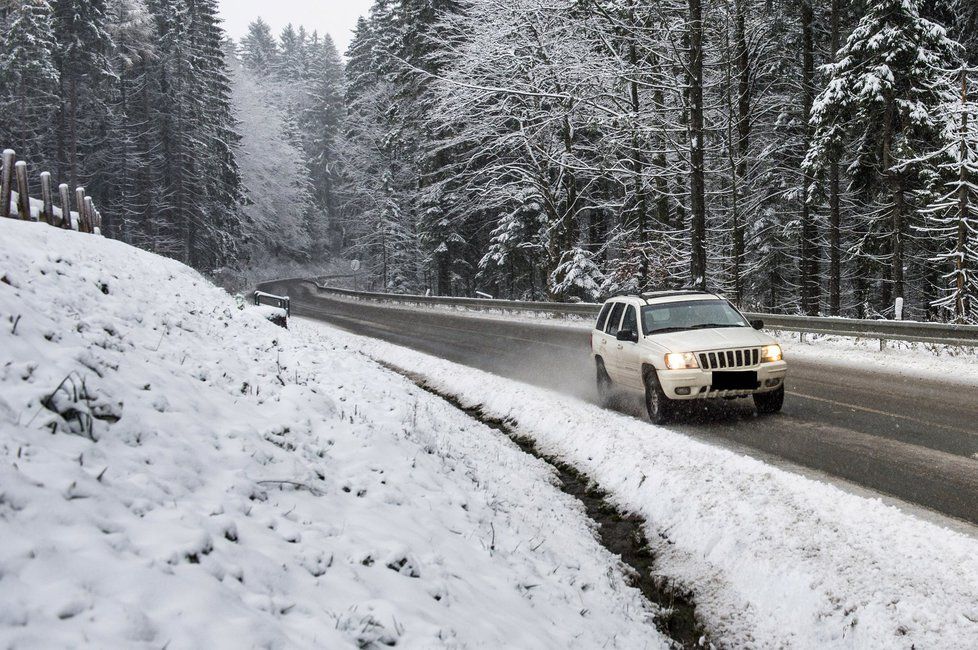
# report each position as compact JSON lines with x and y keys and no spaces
{"x":743,"y":143}
{"x":961,"y":247}
{"x":637,"y":158}
{"x":808,"y":264}
{"x":835,"y":210}
{"x":72,"y":127}
{"x":660,"y":160}
{"x":895,"y":183}
{"x":570,"y":193}
{"x":899,"y":205}
{"x":697,"y":146}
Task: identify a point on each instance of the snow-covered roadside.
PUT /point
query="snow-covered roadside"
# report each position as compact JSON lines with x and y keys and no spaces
{"x":906,"y":359}
{"x":774,"y":559}
{"x":176,"y":472}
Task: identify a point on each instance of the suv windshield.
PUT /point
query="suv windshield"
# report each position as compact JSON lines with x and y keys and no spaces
{"x":694,"y":314}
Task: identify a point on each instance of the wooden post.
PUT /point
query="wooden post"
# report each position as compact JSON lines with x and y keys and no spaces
{"x":23,"y":190}
{"x":47,"y":211}
{"x":89,"y":214}
{"x":64,"y":195}
{"x":7,"y":181}
{"x":80,"y":206}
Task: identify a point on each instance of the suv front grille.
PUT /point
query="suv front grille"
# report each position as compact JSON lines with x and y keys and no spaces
{"x":722,"y":359}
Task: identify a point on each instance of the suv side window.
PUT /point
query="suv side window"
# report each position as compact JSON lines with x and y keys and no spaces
{"x":614,"y":318}
{"x":603,"y":316}
{"x":631,"y":320}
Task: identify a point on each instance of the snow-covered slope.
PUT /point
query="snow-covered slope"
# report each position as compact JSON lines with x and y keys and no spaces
{"x":774,"y":559}
{"x":177,"y":472}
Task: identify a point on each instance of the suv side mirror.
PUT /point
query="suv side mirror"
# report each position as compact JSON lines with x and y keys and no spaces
{"x":757,"y":324}
{"x":627,"y":335}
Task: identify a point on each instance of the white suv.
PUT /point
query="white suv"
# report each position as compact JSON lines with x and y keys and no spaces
{"x":685,"y":345}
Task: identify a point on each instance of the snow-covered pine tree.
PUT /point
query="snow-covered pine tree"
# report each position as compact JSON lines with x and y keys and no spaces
{"x":128,"y":210}
{"x":322,"y":124}
{"x":290,"y":63}
{"x":424,"y":51}
{"x":85,"y":71}
{"x":198,"y":205}
{"x":29,"y":81}
{"x":961,"y":19}
{"x":885,"y":93}
{"x":222,"y":181}
{"x":259,"y":50}
{"x":378,"y":165}
{"x":951,"y":218}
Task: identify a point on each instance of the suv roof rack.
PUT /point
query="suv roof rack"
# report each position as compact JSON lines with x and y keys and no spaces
{"x":674,"y":292}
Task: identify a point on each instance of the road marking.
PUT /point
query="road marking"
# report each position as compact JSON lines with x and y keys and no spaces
{"x":883,"y":413}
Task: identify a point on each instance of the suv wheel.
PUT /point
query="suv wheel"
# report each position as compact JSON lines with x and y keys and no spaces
{"x":659,"y":406}
{"x":605,"y":385}
{"x":768,"y":403}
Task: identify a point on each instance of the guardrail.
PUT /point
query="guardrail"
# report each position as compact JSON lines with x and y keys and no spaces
{"x":282,"y":302}
{"x":883,"y":330}
{"x":556,"y":308}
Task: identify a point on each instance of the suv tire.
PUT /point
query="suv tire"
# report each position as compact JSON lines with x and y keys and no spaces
{"x":659,"y":407}
{"x":768,"y":403}
{"x":605,"y":386}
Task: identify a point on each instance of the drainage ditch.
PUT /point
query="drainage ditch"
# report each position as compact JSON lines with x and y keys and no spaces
{"x":621,"y":533}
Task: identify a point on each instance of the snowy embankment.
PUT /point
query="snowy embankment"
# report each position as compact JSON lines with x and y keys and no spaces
{"x":177,"y":472}
{"x":774,"y":559}
{"x":917,"y":361}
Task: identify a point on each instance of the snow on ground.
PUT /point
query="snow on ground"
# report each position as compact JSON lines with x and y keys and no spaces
{"x":774,"y":559}
{"x":177,"y":472}
{"x":37,"y":207}
{"x":914,"y":360}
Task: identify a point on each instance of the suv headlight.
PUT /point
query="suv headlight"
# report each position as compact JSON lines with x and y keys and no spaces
{"x":771,"y":353}
{"x":681,"y":360}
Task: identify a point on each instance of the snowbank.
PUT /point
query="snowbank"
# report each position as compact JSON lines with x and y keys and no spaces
{"x":178,"y":472}
{"x":941,"y":363}
{"x":774,"y":559}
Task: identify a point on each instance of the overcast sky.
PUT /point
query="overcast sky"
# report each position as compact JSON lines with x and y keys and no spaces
{"x":334,"y":17}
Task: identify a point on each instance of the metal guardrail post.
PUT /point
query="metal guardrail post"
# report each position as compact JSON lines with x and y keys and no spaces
{"x":282,"y":302}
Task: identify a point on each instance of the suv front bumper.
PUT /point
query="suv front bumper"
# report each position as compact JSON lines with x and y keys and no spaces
{"x":695,"y":383}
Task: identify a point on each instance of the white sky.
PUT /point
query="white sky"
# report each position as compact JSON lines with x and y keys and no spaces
{"x":334,"y":17}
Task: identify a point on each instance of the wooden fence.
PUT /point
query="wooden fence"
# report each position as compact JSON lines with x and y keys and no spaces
{"x":16,"y":201}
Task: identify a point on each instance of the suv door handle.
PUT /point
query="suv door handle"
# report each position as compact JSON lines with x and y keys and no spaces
{"x":620,"y":346}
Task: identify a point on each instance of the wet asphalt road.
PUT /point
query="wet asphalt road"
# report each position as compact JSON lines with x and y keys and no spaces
{"x":913,"y":439}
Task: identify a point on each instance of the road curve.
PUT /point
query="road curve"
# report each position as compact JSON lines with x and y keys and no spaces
{"x":912,"y":439}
